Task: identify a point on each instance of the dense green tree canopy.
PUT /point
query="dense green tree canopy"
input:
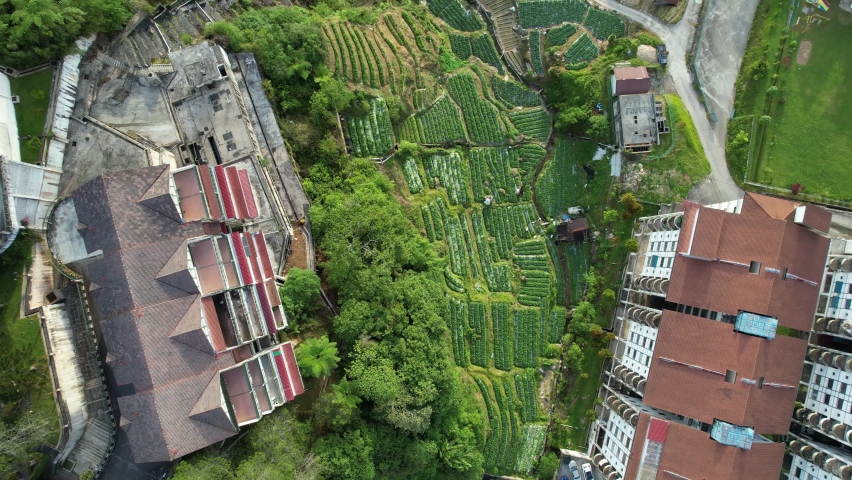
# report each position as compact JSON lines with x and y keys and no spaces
{"x":300,"y":293}
{"x":317,"y":357}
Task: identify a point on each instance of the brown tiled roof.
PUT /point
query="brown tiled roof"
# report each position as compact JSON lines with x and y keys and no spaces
{"x":161,"y":378}
{"x":631,"y":80}
{"x":715,"y":347}
{"x":691,"y":453}
{"x":817,"y":217}
{"x":725,"y":287}
{"x":757,"y":205}
{"x":630,"y":73}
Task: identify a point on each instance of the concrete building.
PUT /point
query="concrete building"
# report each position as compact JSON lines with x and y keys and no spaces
{"x":639,"y":121}
{"x":630,"y":81}
{"x":731,"y":319}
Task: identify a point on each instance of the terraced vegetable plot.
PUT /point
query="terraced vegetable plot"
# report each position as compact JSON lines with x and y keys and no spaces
{"x":490,"y":170}
{"x":544,"y":13}
{"x":452,"y":12}
{"x":455,"y":244}
{"x":533,"y":123}
{"x":503,"y":223}
{"x":440,"y":124}
{"x":560,"y":35}
{"x":483,"y":47}
{"x":479,"y":337}
{"x":579,"y":257}
{"x":560,"y":185}
{"x":446,"y":171}
{"x":525,"y":384}
{"x":457,"y":321}
{"x":513,"y":94}
{"x":502,"y":334}
{"x":496,"y":276}
{"x":531,"y":444}
{"x":556,"y":324}
{"x":558,"y":270}
{"x":492,"y":441}
{"x":372,"y":134}
{"x":460,"y":45}
{"x":526,"y":337}
{"x":412,"y":175}
{"x":603,"y":24}
{"x":535,"y":52}
{"x":479,"y":115}
{"x":581,"y":52}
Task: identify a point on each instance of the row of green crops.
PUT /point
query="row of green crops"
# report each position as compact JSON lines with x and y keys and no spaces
{"x":479,"y":335}
{"x":483,"y":47}
{"x":492,"y":441}
{"x":502,"y":335}
{"x":529,"y":247}
{"x":581,"y":52}
{"x":348,"y":50}
{"x":455,"y":243}
{"x":372,"y":134}
{"x":531,"y":444}
{"x":559,"y":35}
{"x":529,"y":156}
{"x":578,"y":256}
{"x":452,"y":12}
{"x":439,"y":124}
{"x":508,"y":427}
{"x":558,"y":270}
{"x":535,"y":52}
{"x":603,"y":24}
{"x":457,"y":321}
{"x":468,"y":242}
{"x":556,"y":324}
{"x":372,"y":59}
{"x":525,"y":385}
{"x":544,"y":13}
{"x":533,"y":122}
{"x":496,"y":276}
{"x":538,"y":263}
{"x":491,"y":175}
{"x":446,"y":171}
{"x":535,"y":286}
{"x":435,"y":209}
{"x":427,"y":223}
{"x":514,"y":419}
{"x":412,"y":175}
{"x":415,"y":31}
{"x":525,"y":325}
{"x":560,"y":186}
{"x":514,"y":94}
{"x":504,"y":223}
{"x":479,"y":115}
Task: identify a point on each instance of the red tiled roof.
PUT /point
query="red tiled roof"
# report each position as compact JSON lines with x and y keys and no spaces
{"x":714,"y":346}
{"x":691,"y":453}
{"x":713,"y":234}
{"x":238,"y":194}
{"x":293,"y":368}
{"x":757,"y":205}
{"x":225,"y":191}
{"x":245,"y":186}
{"x":209,"y":192}
{"x":657,"y":431}
{"x":260,"y":240}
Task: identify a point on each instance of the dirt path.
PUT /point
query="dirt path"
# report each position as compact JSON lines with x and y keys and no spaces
{"x":804,"y":55}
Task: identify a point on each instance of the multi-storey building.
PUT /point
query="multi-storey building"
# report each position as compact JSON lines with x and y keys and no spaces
{"x":732,"y":319}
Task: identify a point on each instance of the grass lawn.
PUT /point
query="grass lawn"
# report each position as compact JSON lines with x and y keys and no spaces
{"x":21,"y":344}
{"x":809,"y":137}
{"x":671,"y":177}
{"x":31,"y":112}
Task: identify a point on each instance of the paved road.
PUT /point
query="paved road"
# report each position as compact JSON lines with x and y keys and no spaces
{"x":719,"y":186}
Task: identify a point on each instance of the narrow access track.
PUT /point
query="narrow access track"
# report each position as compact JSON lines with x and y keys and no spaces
{"x":719,"y":186}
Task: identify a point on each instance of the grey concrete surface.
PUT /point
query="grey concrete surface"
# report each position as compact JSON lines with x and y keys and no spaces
{"x":722,"y":43}
{"x":580,"y":459}
{"x":678,"y":38}
{"x":127,"y":105}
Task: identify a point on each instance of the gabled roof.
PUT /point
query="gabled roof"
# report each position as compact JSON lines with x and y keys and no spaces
{"x":691,"y":358}
{"x":151,"y":317}
{"x":715,"y":250}
{"x":690,"y":453}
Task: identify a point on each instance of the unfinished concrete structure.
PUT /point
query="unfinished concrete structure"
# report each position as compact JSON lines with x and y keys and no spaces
{"x":639,"y":121}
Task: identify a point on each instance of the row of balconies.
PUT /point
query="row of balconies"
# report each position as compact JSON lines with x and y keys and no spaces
{"x":654,"y":286}
{"x":629,"y":377}
{"x":605,"y":467}
{"x":821,"y":459}
{"x":835,"y":360}
{"x":645,"y":316}
{"x":623,"y":410}
{"x":833,"y":325}
{"x":661,"y":223}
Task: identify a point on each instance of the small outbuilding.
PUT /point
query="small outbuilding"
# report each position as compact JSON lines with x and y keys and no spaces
{"x":572,"y":230}
{"x":630,"y":81}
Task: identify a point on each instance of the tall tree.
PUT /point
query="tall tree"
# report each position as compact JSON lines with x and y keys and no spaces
{"x":300,"y":293}
{"x":317,"y":356}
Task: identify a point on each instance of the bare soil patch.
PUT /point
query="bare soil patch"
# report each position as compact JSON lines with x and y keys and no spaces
{"x":804,"y":54}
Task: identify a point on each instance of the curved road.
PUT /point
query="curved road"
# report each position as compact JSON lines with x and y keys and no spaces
{"x":719,"y":186}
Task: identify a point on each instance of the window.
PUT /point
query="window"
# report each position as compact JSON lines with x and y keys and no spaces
{"x":826,"y":399}
{"x":838,"y":287}
{"x":829,"y":384}
{"x":754,"y":268}
{"x":731,"y":376}
{"x":840,"y":403}
{"x":814,"y":394}
{"x":842,"y":389}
